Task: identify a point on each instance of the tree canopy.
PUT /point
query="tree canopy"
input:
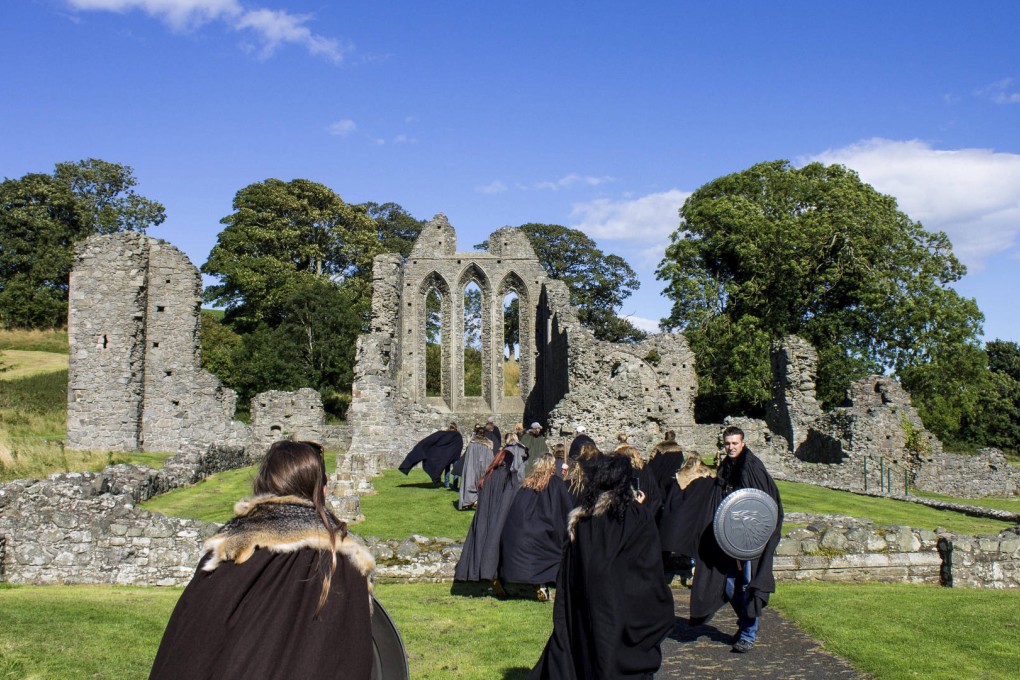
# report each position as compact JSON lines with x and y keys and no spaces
{"x":598,"y":283}
{"x":397,"y":228}
{"x":281,"y":237}
{"x":43,"y":216}
{"x":776,"y":250}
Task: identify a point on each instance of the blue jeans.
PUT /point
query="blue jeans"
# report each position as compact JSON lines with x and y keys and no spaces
{"x":738,"y":600}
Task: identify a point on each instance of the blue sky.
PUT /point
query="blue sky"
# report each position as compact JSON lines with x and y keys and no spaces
{"x":596,"y":115}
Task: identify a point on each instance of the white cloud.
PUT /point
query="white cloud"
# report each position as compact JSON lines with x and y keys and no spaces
{"x":573,"y":179}
{"x":999,"y":93}
{"x":272,"y":27}
{"x":494,"y":187}
{"x":971,"y":194}
{"x":647,"y":325}
{"x":342,"y":128}
{"x":647,"y":219}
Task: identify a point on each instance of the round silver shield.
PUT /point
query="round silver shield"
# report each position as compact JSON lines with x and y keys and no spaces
{"x":389,"y":658}
{"x":744,"y":522}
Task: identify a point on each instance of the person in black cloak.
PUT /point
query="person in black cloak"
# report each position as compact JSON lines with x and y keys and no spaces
{"x":643,"y":479}
{"x":479,"y":559}
{"x":472,"y":466}
{"x":536,"y":529}
{"x":613,"y":607}
{"x":282,"y":591}
{"x":719,"y":578}
{"x":580,"y":439}
{"x":690,"y":494}
{"x":437,"y":453}
{"x":493,"y":433}
{"x":667,"y":457}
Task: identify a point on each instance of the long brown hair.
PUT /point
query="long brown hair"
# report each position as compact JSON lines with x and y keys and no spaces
{"x":496,"y":462}
{"x":299,"y":469}
{"x":540,"y":475}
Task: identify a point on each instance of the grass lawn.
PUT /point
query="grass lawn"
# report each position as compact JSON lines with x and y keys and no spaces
{"x":409,"y":505}
{"x":892,"y":632}
{"x":1007,"y":504}
{"x":34,"y":341}
{"x":18,"y":363}
{"x":882,"y":511}
{"x":213,"y":498}
{"x":895,"y":631}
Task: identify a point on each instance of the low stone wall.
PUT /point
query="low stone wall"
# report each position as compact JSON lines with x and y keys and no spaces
{"x":414,"y":559}
{"x":83,"y":528}
{"x":984,"y":474}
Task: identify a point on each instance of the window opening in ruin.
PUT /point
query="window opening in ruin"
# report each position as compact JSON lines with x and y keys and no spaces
{"x":472,"y":340}
{"x":511,"y":345}
{"x":160,"y":308}
{"x":155,"y":344}
{"x":106,"y":341}
{"x":434,"y":344}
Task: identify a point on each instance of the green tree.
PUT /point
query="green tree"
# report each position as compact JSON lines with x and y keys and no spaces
{"x":996,"y":420}
{"x":43,"y":216}
{"x":598,"y":283}
{"x":397,"y":228}
{"x":281,"y":236}
{"x":775,"y":250}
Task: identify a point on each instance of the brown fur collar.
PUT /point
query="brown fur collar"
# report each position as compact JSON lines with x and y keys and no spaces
{"x":279,"y":524}
{"x":603,"y":503}
{"x":692,"y":469}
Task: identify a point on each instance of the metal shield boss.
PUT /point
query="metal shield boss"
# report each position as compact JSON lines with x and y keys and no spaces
{"x":744,"y":522}
{"x":389,"y":658}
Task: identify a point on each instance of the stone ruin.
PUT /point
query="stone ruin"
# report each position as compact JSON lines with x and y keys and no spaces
{"x":567,"y":376}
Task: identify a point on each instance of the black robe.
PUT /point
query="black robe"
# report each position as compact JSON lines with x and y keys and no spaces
{"x":435,"y":452}
{"x":495,"y":437}
{"x":613,"y":607}
{"x":646,"y":482}
{"x":534,"y":533}
{"x":711,"y":563}
{"x":575,"y":446}
{"x":664,"y":466}
{"x":255,"y":620}
{"x":479,"y":559}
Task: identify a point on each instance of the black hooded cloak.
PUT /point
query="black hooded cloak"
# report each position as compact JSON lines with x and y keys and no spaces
{"x":534,"y":533}
{"x":479,"y":560}
{"x":435,"y":452}
{"x":613,"y":607}
{"x":249,"y":611}
{"x":711,"y":563}
{"x":664,"y":463}
{"x":575,"y":446}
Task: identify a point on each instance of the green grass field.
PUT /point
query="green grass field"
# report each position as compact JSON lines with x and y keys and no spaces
{"x":409,"y":505}
{"x":19,"y":363}
{"x":892,"y":632}
{"x":34,"y":341}
{"x":1007,"y":504}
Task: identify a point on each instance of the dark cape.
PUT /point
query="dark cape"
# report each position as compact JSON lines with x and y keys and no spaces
{"x":479,"y":560}
{"x":534,"y":533}
{"x":653,"y":494}
{"x":495,"y":436}
{"x":575,"y":446}
{"x":711,"y":563}
{"x":666,"y":459}
{"x":248,"y":613}
{"x":613,"y":607}
{"x":435,"y":452}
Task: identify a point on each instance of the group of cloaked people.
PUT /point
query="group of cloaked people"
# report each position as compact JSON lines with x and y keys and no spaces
{"x":284,"y":591}
{"x":609,"y":530}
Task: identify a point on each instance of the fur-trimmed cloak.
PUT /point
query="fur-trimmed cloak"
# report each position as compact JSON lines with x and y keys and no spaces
{"x":613,"y":607}
{"x":667,"y":457}
{"x":435,"y":452}
{"x":248,"y":613}
{"x":535,"y":531}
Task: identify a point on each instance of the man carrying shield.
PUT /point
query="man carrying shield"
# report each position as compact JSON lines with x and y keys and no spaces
{"x":719,"y":577}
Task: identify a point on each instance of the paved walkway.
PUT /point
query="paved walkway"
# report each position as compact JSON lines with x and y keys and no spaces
{"x":782,"y":651}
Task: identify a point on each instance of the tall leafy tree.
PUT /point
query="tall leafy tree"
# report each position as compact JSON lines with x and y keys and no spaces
{"x":397,"y":228}
{"x":814,"y":251}
{"x":42,"y":217}
{"x":598,"y":283}
{"x":281,"y":236}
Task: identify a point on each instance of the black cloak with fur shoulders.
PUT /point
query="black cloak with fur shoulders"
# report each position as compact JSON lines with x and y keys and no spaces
{"x":435,"y":452}
{"x":249,"y":611}
{"x":534,"y":534}
{"x":613,"y":607}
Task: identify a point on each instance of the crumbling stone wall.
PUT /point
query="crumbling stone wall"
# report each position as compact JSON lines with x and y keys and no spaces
{"x":295,"y":415}
{"x":567,"y":376}
{"x":985,"y":474}
{"x":134,"y":379}
{"x":793,"y":409}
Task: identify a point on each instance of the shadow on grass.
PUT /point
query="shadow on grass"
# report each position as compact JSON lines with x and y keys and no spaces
{"x":515,"y":673}
{"x":420,"y":485}
{"x":472,"y":589}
